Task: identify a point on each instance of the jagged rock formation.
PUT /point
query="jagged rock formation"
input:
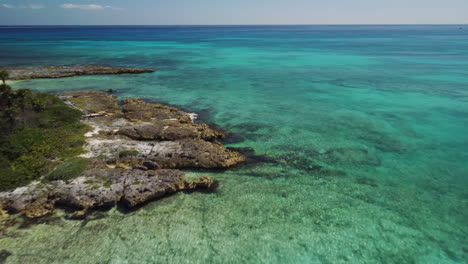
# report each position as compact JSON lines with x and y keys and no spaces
{"x":135,"y":151}
{"x":157,"y":133}
{"x":100,"y":188}
{"x":23,"y":73}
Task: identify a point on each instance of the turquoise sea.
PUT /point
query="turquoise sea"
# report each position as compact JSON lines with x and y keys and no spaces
{"x":367,"y":126}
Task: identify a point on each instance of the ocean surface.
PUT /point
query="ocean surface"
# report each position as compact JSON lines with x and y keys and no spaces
{"x":368,"y":127}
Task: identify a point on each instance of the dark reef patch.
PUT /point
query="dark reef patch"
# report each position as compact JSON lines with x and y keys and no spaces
{"x":252,"y":159}
{"x":246,"y":127}
{"x":366,"y":181}
{"x":382,"y":141}
{"x":349,"y":156}
{"x":302,"y":157}
{"x":48,"y":219}
{"x":246,"y":131}
{"x":233,"y":138}
{"x":267,"y":175}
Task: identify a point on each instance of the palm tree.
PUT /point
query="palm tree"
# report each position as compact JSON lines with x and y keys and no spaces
{"x":4,"y":75}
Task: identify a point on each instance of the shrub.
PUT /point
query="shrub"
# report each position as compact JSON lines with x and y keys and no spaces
{"x":128,"y":153}
{"x":36,"y":131}
{"x":68,"y":170}
{"x":8,"y":179}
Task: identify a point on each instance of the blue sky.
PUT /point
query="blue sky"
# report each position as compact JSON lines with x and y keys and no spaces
{"x":220,"y":12}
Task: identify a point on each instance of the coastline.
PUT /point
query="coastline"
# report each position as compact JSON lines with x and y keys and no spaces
{"x":134,"y":153}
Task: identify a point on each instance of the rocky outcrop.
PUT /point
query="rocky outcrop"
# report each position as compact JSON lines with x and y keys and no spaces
{"x":148,"y":185}
{"x":135,"y":150}
{"x":23,"y":73}
{"x":92,"y":102}
{"x":162,"y":122}
{"x":23,"y":199}
{"x":185,"y":153}
{"x":156,"y":133}
{"x":100,"y":188}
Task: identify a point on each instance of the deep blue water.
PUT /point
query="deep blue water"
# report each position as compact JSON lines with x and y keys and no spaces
{"x":368,"y":124}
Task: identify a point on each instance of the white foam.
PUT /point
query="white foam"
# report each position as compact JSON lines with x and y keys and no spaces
{"x":193,"y":116}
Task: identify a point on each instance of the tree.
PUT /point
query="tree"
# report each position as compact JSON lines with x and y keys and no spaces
{"x":4,"y":75}
{"x":4,"y":88}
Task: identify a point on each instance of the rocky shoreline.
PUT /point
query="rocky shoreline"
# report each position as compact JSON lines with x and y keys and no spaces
{"x":24,"y":73}
{"x":135,"y":151}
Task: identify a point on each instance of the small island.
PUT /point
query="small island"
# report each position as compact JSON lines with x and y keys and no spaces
{"x":86,"y":150}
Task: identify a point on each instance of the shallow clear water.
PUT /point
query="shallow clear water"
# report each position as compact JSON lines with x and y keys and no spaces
{"x":369,"y":125}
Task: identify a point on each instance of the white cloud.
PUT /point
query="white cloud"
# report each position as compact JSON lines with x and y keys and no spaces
{"x":89,"y":7}
{"x":84,"y":7}
{"x":32,"y":6}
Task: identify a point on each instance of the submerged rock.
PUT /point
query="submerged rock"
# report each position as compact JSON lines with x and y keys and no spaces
{"x":350,"y":156}
{"x":204,"y":183}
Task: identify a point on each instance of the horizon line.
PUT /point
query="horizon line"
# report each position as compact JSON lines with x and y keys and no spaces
{"x":396,"y":24}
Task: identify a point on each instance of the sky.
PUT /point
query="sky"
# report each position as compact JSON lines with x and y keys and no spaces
{"x":231,"y":12}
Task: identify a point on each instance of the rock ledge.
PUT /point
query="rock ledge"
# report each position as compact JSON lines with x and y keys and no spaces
{"x":135,"y":151}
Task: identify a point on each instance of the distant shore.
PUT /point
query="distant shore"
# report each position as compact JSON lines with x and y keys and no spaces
{"x":28,"y":72}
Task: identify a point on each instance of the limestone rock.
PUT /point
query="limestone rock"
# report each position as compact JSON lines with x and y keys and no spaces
{"x":136,"y":109}
{"x":21,"y":198}
{"x":145,"y":186}
{"x":102,"y":188}
{"x":91,"y":102}
{"x":189,"y":153}
{"x":99,"y":187}
{"x":169,"y":130}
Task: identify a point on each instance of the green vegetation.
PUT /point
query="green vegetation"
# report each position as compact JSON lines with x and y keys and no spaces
{"x":89,"y":182}
{"x":37,"y":131}
{"x":4,"y":75}
{"x":102,"y":156}
{"x":68,"y":170}
{"x":128,"y":153}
